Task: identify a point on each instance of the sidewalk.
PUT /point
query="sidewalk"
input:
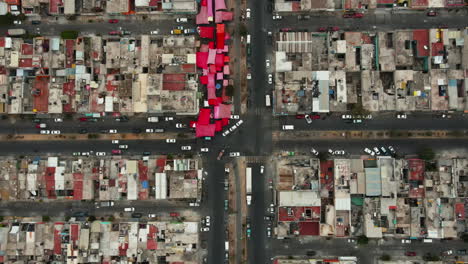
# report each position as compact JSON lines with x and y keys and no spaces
{"x":368,"y":134}
{"x":64,"y":137}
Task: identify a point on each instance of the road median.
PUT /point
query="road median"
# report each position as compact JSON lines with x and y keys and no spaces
{"x":122,"y":136}
{"x":368,"y":134}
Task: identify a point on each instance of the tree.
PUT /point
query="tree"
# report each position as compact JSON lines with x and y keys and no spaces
{"x":243,"y":30}
{"x":45,"y":218}
{"x":91,"y":218}
{"x":362,"y":240}
{"x":385,"y":257}
{"x":7,"y":19}
{"x":464,"y":237}
{"x":69,"y":34}
{"x":111,"y":218}
{"x":323,"y":156}
{"x":426,"y":154}
{"x":431,"y":257}
{"x":230,"y":90}
{"x":358,"y":109}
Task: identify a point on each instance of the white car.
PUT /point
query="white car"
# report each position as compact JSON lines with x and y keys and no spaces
{"x":314,"y":151}
{"x":277,"y":17}
{"x":247,"y":13}
{"x":262,"y":168}
{"x":84,"y":153}
{"x":357,"y":121}
{"x":330,"y":151}
{"x":239,"y":123}
{"x":376,"y":150}
{"x":154,"y":32}
{"x":249,"y":76}
{"x":339,"y":152}
{"x":123,"y":146}
{"x":170,"y":140}
{"x":58,"y":120}
{"x":179,"y":125}
{"x":169,"y":118}
{"x":204,"y":229}
{"x":151,"y":215}
{"x":181,"y":20}
{"x":270,"y":78}
{"x":115,"y":141}
{"x":234,"y":117}
{"x":149,"y":130}
{"x":194,"y":204}
{"x":369,"y":151}
{"x":406,"y":241}
{"x":129,"y":209}
{"x":267,"y":63}
{"x":186,"y":148}
{"x":346,"y":117}
{"x":233,"y":128}
{"x":45,"y":132}
{"x":368,"y":117}
{"x":100,"y":153}
{"x":17,"y":22}
{"x":308,"y":119}
{"x":112,"y":131}
{"x":234,"y":154}
{"x":226,"y":170}
{"x":204,"y":150}
{"x":401,"y":116}
{"x":55,"y":132}
{"x":225,"y":133}
{"x":392,"y":150}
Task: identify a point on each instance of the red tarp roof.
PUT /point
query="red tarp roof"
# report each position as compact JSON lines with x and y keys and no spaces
{"x":225,"y":121}
{"x":204,"y":117}
{"x":221,"y":16}
{"x":202,"y":59}
{"x":204,"y":79}
{"x":219,"y":61}
{"x":222,"y":111}
{"x":202,"y":17}
{"x":309,"y":228}
{"x":218,"y":125}
{"x":206,"y":32}
{"x":422,"y":39}
{"x":220,"y":40}
{"x":205,"y":130}
{"x":213,"y":101}
{"x":220,"y":5}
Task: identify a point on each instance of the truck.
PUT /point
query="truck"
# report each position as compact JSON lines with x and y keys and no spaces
{"x":153,"y":119}
{"x":16,"y":32}
{"x":248,"y":185}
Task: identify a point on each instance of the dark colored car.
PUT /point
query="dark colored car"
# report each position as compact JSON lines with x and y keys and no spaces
{"x":113,"y":21}
{"x":137,"y":215}
{"x":83,"y":131}
{"x":432,"y":13}
{"x":146,"y":153}
{"x":136,"y":130}
{"x":35,"y":22}
{"x":311,"y":253}
{"x":353,"y":15}
{"x":410,"y":253}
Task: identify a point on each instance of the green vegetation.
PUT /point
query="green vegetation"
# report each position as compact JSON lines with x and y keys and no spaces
{"x":91,"y":218}
{"x":69,"y":34}
{"x":362,"y":240}
{"x":93,"y":136}
{"x":358,"y":109}
{"x":8,"y":19}
{"x":323,"y":156}
{"x":426,"y":154}
{"x":45,"y":218}
{"x":229,"y":90}
{"x":243,"y":30}
{"x":431,"y":257}
{"x":385,"y":257}
{"x":464,"y":237}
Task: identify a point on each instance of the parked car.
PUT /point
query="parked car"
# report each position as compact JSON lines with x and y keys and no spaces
{"x":204,"y":150}
{"x":262,"y":168}
{"x":232,"y":128}
{"x":239,"y":122}
{"x":410,"y":253}
{"x":179,"y":125}
{"x":401,"y":116}
{"x":129,"y":209}
{"x":376,"y":150}
{"x":114,"y":33}
{"x":339,"y":152}
{"x":277,"y":17}
{"x":100,"y":154}
{"x":115,"y":141}
{"x":249,"y":76}
{"x":154,"y":32}
{"x":235,"y":117}
{"x":112,"y":131}
{"x":45,"y":132}
{"x":55,"y":132}
{"x":225,"y":133}
{"x":308,"y":119}
{"x":170,"y":140}
{"x":181,"y":20}
{"x":461,"y":252}
{"x":267,"y":63}
{"x":234,"y":154}
{"x":116,"y":152}
{"x":41,"y":125}
{"x":353,"y":15}
{"x":346,"y":116}
{"x":169,"y":118}
{"x":58,"y":120}
{"x":186,"y":148}
{"x":137,"y":215}
{"x":270,"y":78}
{"x":247,"y":13}
{"x":431,"y":13}
{"x":314,"y":152}
{"x":113,"y":21}
{"x":369,"y":151}
{"x":357,"y":121}
{"x":300,"y":116}
{"x":447,"y":253}
{"x":123,"y":146}
{"x":392,"y":150}
{"x":149,"y":130}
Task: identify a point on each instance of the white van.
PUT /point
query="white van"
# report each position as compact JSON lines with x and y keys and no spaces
{"x":182,"y":20}
{"x":427,"y":240}
{"x":267,"y":100}
{"x":248,"y":39}
{"x":288,"y":127}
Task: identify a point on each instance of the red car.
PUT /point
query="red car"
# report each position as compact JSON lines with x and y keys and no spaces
{"x":315,"y":117}
{"x":83,"y":119}
{"x":432,"y":13}
{"x":114,"y":33}
{"x":116,"y":151}
{"x":322,"y":29}
{"x":333,"y":29}
{"x":174,"y":214}
{"x":113,"y":21}
{"x":300,"y":116}
{"x":410,"y":253}
{"x":286,"y":29}
{"x":353,"y":15}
